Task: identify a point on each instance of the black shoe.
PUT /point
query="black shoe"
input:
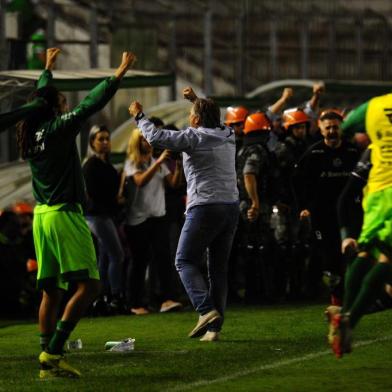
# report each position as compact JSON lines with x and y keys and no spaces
{"x":100,"y":308}
{"x":117,"y":306}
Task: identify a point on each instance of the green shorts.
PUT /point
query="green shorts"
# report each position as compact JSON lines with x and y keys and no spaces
{"x":64,"y":246}
{"x":376,"y":233}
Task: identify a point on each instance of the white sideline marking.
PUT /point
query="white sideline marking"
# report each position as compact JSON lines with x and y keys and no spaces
{"x":131,"y":352}
{"x":273,"y":365}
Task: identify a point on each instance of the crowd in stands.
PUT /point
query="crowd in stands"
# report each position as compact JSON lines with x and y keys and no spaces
{"x":292,"y":166}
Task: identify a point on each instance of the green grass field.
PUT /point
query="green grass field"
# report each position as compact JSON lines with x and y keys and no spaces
{"x":280,"y":348}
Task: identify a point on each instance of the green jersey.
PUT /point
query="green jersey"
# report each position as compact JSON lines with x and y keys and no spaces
{"x":53,"y":155}
{"x":356,"y":120}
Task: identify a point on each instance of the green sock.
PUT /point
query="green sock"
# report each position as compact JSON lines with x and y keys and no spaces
{"x":353,"y":280}
{"x":63,"y":330}
{"x":373,"y":284}
{"x":44,"y":339}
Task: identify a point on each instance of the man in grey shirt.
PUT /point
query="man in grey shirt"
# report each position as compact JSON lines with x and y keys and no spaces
{"x":212,"y":205}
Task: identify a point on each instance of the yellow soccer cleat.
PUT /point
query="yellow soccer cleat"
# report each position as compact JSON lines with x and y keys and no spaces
{"x":53,"y":365}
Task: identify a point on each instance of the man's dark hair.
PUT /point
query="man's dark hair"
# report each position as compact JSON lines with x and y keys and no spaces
{"x":331,"y":116}
{"x":208,"y":112}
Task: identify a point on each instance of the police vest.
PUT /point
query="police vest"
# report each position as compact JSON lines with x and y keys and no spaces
{"x":265,"y":179}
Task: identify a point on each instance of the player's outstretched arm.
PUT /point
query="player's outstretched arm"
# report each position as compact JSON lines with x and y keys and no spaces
{"x":51,"y":57}
{"x":98,"y":97}
{"x":46,"y":77}
{"x":127,"y":61}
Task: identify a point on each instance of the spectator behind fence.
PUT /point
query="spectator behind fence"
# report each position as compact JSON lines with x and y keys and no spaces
{"x":102,"y":185}
{"x":146,"y":225}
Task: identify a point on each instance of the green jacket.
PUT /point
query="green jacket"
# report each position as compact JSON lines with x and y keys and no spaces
{"x":356,"y":120}
{"x":53,"y":157}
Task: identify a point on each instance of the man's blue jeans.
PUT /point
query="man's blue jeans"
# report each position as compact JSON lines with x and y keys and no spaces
{"x":210,"y":228}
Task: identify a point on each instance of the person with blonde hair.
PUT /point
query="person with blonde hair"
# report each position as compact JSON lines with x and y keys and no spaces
{"x":146,"y":226}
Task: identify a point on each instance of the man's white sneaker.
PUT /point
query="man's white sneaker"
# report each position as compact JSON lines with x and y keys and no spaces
{"x":204,"y":321}
{"x":210,"y":336}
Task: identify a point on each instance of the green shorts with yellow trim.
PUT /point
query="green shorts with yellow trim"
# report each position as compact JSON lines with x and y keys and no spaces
{"x":64,"y":246}
{"x":376,"y":233}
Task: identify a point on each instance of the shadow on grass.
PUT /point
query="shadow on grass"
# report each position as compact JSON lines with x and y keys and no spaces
{"x":12,"y":323}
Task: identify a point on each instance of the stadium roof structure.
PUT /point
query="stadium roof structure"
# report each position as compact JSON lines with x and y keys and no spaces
{"x":80,"y":80}
{"x":339,"y":93}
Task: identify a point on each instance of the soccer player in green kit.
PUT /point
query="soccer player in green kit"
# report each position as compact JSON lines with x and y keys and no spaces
{"x":63,"y":242}
{"x":368,"y":274}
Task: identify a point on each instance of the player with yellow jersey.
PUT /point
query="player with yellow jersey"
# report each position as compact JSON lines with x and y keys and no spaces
{"x":371,"y":270}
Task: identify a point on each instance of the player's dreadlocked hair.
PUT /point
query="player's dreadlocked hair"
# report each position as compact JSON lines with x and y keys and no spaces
{"x":26,"y":127}
{"x":208,"y":112}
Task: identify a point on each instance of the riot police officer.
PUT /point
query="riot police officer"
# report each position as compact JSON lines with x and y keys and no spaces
{"x":254,"y":161}
{"x":291,"y":236}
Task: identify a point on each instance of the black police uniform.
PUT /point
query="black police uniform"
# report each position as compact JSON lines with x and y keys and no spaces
{"x":254,"y":158}
{"x":321,"y":175}
{"x":290,"y":234}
